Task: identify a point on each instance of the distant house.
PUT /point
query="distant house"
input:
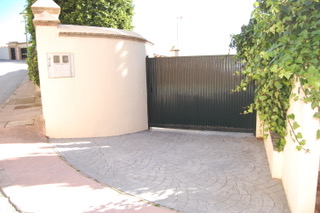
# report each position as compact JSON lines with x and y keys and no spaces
{"x":14,"y":51}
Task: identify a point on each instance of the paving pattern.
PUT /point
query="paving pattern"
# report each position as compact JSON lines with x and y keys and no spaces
{"x":189,"y":171}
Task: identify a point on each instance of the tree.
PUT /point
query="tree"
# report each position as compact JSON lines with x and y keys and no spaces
{"x":102,"y":13}
{"x":280,"y":45}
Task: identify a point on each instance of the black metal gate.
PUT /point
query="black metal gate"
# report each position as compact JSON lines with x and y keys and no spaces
{"x":195,"y":93}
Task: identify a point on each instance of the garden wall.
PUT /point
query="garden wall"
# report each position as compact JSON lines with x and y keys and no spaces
{"x":93,"y":80}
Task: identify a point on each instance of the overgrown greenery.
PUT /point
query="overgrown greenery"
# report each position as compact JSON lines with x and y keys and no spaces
{"x":103,"y":13}
{"x":32,"y":59}
{"x":280,"y":45}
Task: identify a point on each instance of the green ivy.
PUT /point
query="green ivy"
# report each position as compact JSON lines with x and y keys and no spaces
{"x":32,"y":59}
{"x":281,"y":44}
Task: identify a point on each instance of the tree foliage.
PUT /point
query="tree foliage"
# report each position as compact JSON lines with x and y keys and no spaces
{"x":280,"y":45}
{"x":102,"y":13}
{"x":32,"y":59}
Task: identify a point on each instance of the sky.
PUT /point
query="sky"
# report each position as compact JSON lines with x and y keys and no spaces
{"x":11,"y":22}
{"x":201,"y":27}
{"x":204,"y":26}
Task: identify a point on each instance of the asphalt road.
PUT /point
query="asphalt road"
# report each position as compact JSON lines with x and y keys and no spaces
{"x":12,"y":75}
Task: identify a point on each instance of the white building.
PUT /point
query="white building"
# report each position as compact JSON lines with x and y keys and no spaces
{"x":14,"y":51}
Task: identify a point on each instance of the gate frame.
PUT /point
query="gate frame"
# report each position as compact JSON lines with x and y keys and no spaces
{"x":194,"y":127}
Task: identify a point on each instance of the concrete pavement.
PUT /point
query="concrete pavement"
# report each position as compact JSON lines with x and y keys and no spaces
{"x":33,"y":178}
{"x":12,"y":74}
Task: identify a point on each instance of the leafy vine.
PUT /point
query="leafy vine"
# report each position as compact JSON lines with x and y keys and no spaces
{"x":281,"y":44}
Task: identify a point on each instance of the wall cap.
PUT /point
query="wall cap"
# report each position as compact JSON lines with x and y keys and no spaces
{"x":102,"y":32}
{"x":46,"y":13}
{"x":46,"y":19}
{"x":45,"y":5}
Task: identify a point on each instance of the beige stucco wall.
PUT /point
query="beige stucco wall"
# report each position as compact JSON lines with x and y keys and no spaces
{"x":275,"y":158}
{"x":298,"y":169}
{"x":107,"y":95}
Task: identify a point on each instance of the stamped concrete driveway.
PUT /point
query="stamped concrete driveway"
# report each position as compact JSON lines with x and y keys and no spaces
{"x":189,"y":171}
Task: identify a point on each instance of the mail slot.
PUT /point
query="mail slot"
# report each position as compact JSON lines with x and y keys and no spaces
{"x":60,"y":65}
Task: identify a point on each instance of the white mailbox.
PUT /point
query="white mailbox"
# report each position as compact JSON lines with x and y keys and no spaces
{"x":60,"y":65}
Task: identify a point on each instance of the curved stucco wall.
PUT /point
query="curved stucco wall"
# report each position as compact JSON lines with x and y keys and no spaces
{"x":107,"y":94}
